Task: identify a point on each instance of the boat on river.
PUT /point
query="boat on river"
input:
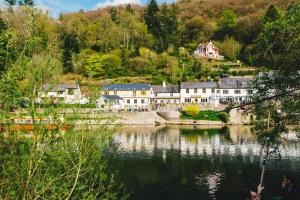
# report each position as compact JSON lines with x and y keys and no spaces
{"x":28,"y":123}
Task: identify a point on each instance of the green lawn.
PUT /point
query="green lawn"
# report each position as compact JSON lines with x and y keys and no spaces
{"x":207,"y":115}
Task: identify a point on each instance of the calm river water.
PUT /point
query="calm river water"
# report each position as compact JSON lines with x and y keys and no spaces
{"x":198,"y":162}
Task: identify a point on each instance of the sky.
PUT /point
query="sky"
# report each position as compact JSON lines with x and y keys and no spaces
{"x":55,"y":7}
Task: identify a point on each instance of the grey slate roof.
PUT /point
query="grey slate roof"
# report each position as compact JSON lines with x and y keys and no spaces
{"x":192,"y":85}
{"x":126,"y":87}
{"x":112,"y":97}
{"x":60,"y":87}
{"x":167,"y":89}
{"x":234,"y":83}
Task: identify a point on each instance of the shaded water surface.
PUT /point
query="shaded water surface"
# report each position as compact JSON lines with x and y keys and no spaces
{"x":198,"y":162}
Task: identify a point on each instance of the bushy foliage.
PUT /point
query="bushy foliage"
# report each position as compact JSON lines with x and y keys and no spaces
{"x":191,"y":110}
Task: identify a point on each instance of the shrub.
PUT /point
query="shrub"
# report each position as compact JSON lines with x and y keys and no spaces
{"x":191,"y":110}
{"x":224,"y":117}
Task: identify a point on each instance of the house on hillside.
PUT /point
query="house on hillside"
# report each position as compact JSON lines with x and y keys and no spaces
{"x":129,"y":95}
{"x":208,"y":50}
{"x":234,"y":90}
{"x":198,"y":92}
{"x":62,"y":93}
{"x":165,"y":94}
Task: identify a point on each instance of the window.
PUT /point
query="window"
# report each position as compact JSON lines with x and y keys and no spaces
{"x":187,"y":91}
{"x":143,"y":101}
{"x":134,"y":93}
{"x":213,"y":90}
{"x":204,"y":100}
{"x":171,"y":94}
{"x":187,"y":100}
{"x":250,"y":91}
{"x":237,"y":91}
{"x":155,"y":94}
{"x":60,"y":92}
{"x":106,"y":92}
{"x":128,"y":101}
{"x":135,"y":101}
{"x":204,"y":90}
{"x":195,"y":90}
{"x":115,"y":92}
{"x":143,"y":93}
{"x":225,"y":91}
{"x":71,"y":91}
{"x":218,"y":91}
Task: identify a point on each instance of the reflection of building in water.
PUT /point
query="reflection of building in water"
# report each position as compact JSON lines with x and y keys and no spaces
{"x":211,"y":182}
{"x":207,"y":142}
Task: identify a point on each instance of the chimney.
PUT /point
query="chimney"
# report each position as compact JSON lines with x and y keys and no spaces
{"x":164,"y":84}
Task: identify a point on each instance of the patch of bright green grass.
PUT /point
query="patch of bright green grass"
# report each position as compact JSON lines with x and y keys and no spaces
{"x":209,"y":115}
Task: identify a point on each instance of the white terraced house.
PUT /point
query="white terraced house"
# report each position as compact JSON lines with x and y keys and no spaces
{"x":198,"y":92}
{"x":208,"y":50}
{"x":62,"y":93}
{"x":165,"y":94}
{"x":129,"y":95}
{"x":234,"y":90}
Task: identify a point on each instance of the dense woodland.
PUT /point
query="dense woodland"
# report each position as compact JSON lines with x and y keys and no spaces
{"x":153,"y":41}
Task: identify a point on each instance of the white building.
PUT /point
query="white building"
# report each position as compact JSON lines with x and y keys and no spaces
{"x":62,"y":93}
{"x":165,"y":94}
{"x":133,"y":95}
{"x":208,"y":50}
{"x":198,"y":92}
{"x":234,"y":90}
{"x":112,"y":102}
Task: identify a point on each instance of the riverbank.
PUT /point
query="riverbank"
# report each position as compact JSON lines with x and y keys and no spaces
{"x":89,"y":117}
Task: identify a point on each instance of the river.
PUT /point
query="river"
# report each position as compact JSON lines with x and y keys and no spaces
{"x":175,"y":162}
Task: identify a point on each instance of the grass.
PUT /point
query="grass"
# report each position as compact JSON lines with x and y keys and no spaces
{"x":209,"y":115}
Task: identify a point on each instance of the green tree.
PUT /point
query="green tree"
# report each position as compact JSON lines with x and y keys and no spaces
{"x":26,"y":2}
{"x":129,"y":9}
{"x":192,"y":29}
{"x":70,"y":45}
{"x":151,"y":17}
{"x":277,"y":101}
{"x":278,"y":44}
{"x":10,"y":2}
{"x":230,"y":47}
{"x":95,"y":66}
{"x":271,"y":15}
{"x":113,"y":14}
{"x":169,"y":27}
{"x":226,"y":24}
{"x":111,"y":64}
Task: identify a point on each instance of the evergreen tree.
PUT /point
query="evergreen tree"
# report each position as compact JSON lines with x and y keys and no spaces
{"x":129,"y":9}
{"x":151,"y":18}
{"x":226,"y":24}
{"x":169,"y":27}
{"x":272,"y":14}
{"x":70,"y":46}
{"x":26,"y":3}
{"x":113,"y":14}
{"x":10,"y":2}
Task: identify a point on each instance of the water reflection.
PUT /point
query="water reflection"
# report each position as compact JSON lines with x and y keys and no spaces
{"x":198,"y":162}
{"x":197,"y":141}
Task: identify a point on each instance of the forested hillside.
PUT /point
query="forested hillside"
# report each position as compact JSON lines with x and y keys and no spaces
{"x":152,"y":41}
